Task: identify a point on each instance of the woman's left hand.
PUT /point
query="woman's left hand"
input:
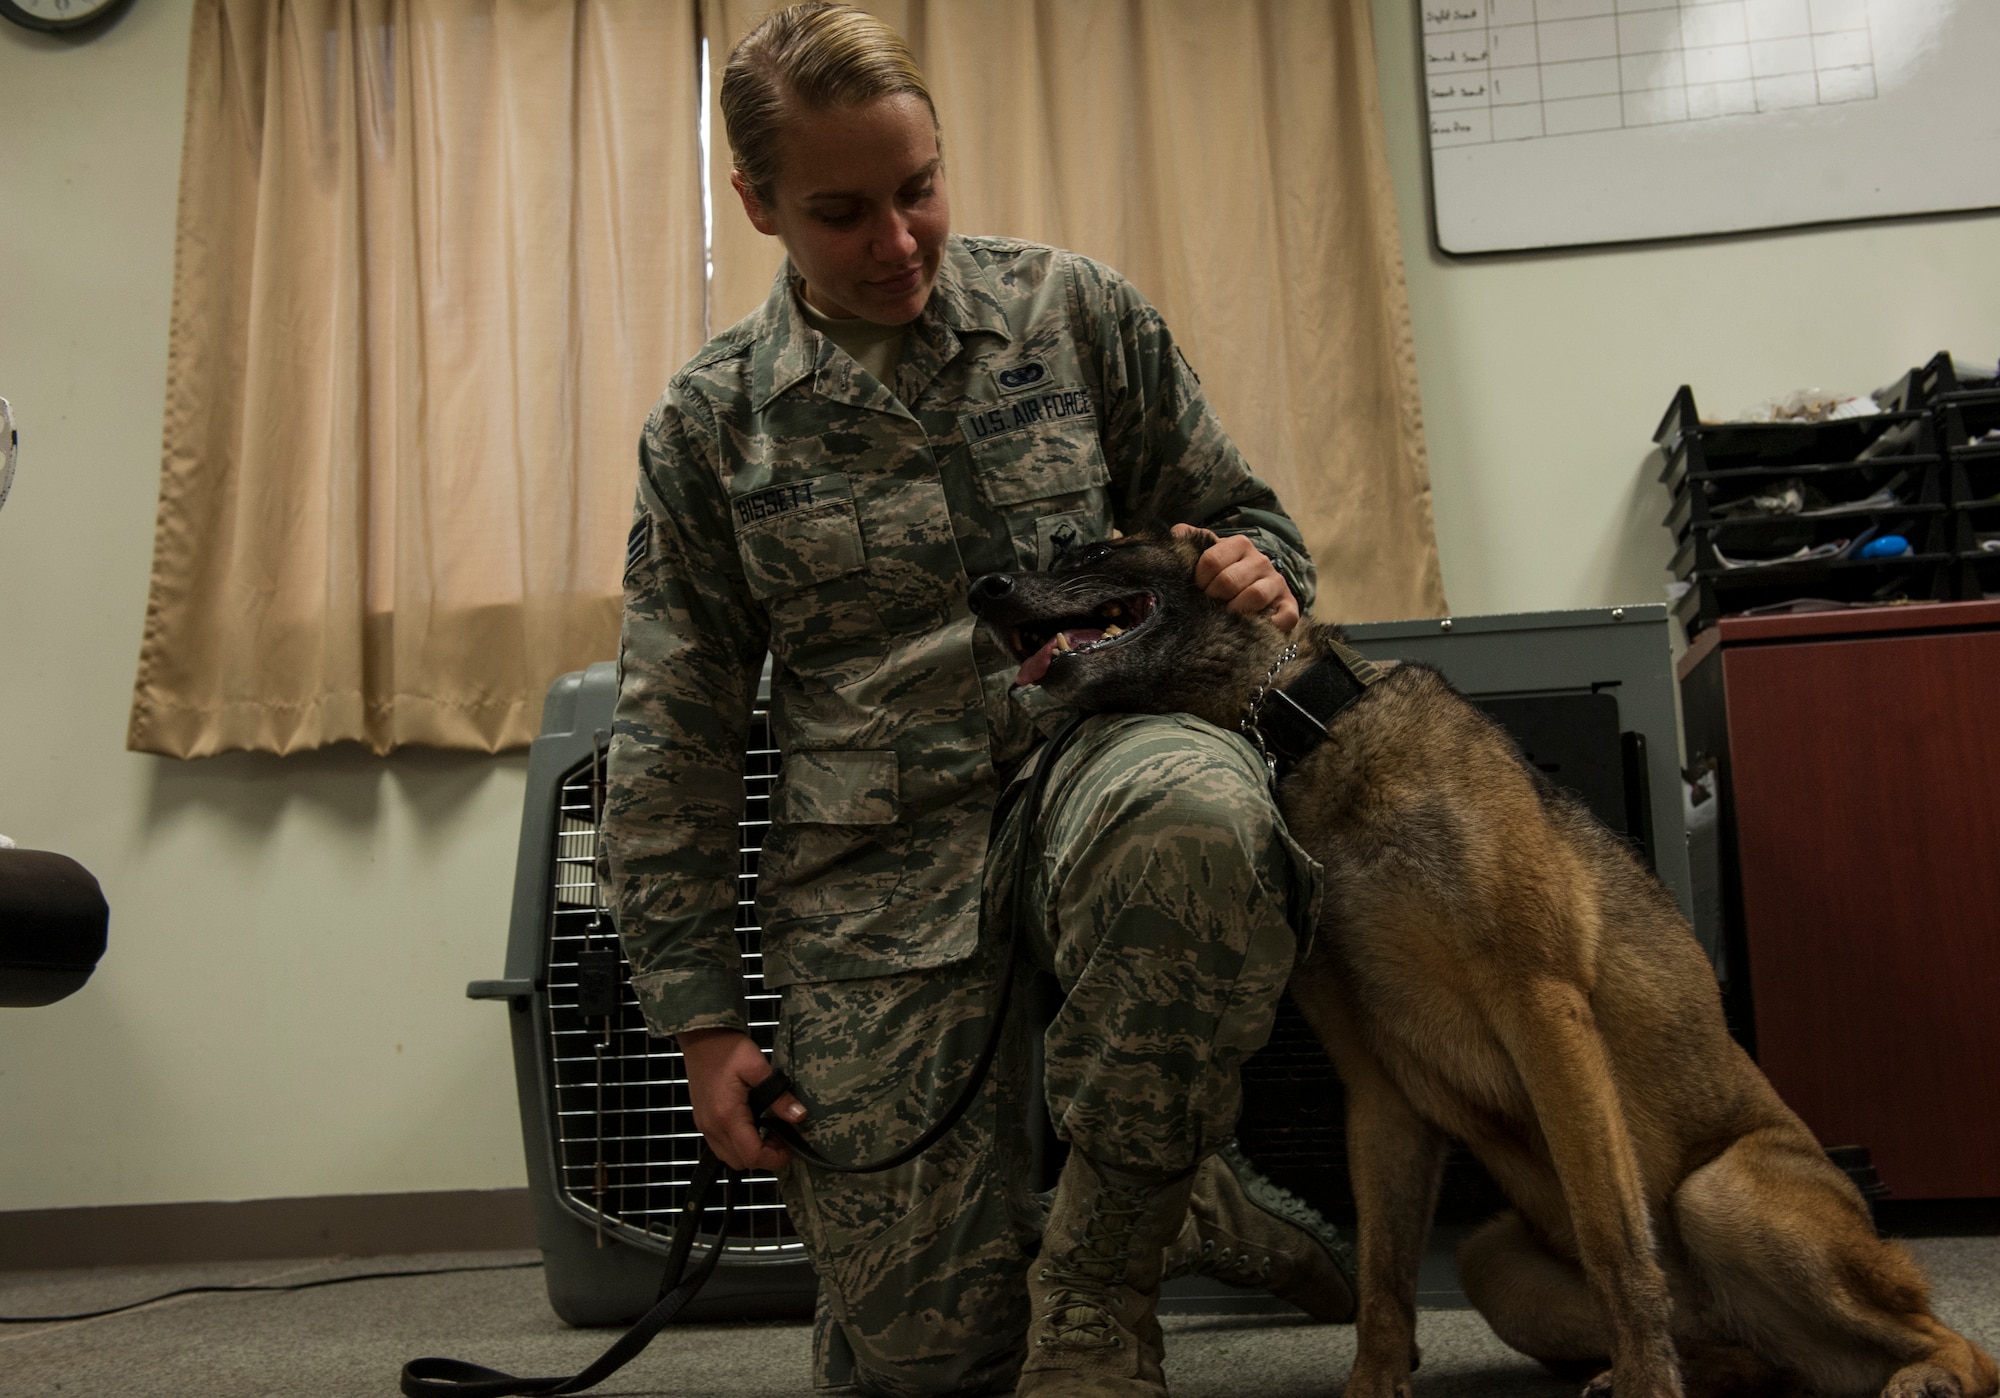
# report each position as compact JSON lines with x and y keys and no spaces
{"x":1235,"y":571}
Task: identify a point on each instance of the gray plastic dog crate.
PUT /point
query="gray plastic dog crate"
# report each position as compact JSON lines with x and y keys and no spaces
{"x":605,"y":1120}
{"x":610,"y":1138}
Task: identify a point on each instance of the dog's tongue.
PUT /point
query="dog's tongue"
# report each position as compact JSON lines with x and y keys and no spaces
{"x":1037,"y":665}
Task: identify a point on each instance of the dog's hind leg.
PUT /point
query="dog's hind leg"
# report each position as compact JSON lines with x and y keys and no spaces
{"x":1788,"y":1258}
{"x":1540,"y":1303}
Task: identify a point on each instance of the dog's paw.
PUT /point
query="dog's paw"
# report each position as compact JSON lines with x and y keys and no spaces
{"x":1605,"y":1384}
{"x":1398,"y":1389}
{"x":1376,"y":1383}
{"x":1923,"y":1381}
{"x":1577,"y":1370}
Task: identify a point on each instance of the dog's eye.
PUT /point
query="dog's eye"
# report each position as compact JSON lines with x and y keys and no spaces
{"x":1095,"y":553}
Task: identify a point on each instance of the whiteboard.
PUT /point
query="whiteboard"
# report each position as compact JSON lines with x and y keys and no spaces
{"x":1562,"y":122}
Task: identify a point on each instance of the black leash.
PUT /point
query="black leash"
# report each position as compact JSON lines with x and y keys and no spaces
{"x":456,"y":1378}
{"x":439,"y":1378}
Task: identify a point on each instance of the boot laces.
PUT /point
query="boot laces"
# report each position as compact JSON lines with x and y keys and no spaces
{"x":1084,"y":1276}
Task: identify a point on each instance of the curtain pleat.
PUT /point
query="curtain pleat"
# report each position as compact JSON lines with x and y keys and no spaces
{"x":1228,"y":158}
{"x":434,"y":261}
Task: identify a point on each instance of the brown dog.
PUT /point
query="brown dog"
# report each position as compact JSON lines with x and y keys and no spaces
{"x":1492,"y":964}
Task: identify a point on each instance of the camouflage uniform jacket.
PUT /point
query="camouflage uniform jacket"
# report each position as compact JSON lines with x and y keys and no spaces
{"x":789,"y":502}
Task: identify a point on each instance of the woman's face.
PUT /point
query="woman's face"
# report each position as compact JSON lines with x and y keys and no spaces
{"x":861,"y":208}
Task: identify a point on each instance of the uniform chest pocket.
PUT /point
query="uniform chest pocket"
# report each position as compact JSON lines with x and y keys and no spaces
{"x":804,"y":558}
{"x":1045,"y":479}
{"x":797,"y":534}
{"x":1054,"y":452}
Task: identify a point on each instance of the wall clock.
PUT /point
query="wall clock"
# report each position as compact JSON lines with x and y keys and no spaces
{"x":10,"y":443}
{"x":57,"y":16}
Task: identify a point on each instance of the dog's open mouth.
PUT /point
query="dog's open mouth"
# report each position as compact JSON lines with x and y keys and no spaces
{"x":1036,"y":644}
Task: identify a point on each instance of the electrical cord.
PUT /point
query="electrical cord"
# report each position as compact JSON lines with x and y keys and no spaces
{"x":248,"y":1286}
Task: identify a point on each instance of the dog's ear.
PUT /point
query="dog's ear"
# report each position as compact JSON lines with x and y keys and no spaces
{"x":1202,"y":539}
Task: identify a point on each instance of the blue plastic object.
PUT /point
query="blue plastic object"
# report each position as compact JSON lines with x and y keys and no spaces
{"x":1888,"y":546}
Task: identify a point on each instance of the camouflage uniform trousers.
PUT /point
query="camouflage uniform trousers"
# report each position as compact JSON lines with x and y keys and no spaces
{"x":1162,"y":901}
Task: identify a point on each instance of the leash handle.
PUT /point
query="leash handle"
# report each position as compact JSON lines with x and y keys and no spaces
{"x":765,"y":1095}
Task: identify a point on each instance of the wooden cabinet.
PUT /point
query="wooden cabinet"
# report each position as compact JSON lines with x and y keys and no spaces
{"x":1860,"y":762}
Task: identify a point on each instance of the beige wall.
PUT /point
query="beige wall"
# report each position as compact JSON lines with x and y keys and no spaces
{"x":281,"y":1012}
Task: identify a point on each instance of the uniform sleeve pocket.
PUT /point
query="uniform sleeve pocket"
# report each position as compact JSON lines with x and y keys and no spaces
{"x":798,"y":534}
{"x":837,"y":788}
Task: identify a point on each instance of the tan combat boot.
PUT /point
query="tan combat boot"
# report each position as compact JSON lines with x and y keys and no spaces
{"x":1244,"y":1230}
{"x":1096,"y":1285}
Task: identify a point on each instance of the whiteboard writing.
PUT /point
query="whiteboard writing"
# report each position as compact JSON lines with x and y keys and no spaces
{"x":1556,"y":123}
{"x":1522,"y":70}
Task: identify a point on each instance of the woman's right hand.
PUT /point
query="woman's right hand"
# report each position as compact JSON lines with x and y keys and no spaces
{"x":722,"y":1066}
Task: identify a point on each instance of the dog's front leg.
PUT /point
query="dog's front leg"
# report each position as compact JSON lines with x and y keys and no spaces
{"x":1394,"y":1158}
{"x":1555,"y":1044}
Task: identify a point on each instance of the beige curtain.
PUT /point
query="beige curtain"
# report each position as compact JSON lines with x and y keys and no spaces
{"x":1227,"y":155}
{"x":435,"y":259}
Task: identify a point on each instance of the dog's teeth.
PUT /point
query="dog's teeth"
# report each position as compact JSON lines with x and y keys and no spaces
{"x":1113,"y":610}
{"x":1113,"y":630}
{"x":1062,"y":641}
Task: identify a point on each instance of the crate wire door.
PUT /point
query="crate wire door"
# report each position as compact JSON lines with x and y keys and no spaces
{"x":623,"y":1129}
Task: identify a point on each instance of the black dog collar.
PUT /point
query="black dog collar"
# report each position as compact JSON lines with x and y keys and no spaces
{"x":1289,"y":723}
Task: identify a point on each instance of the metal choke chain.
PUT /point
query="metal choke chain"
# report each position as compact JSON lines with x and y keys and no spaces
{"x":1256,"y":706}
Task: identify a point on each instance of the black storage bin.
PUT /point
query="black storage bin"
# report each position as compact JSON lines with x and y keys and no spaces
{"x":1767,"y":514}
{"x":1964,"y":406}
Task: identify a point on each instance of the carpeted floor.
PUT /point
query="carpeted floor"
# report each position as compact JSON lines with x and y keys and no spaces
{"x":351,"y":1341}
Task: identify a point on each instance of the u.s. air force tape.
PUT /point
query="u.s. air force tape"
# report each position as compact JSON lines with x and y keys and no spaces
{"x":1012,"y":416}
